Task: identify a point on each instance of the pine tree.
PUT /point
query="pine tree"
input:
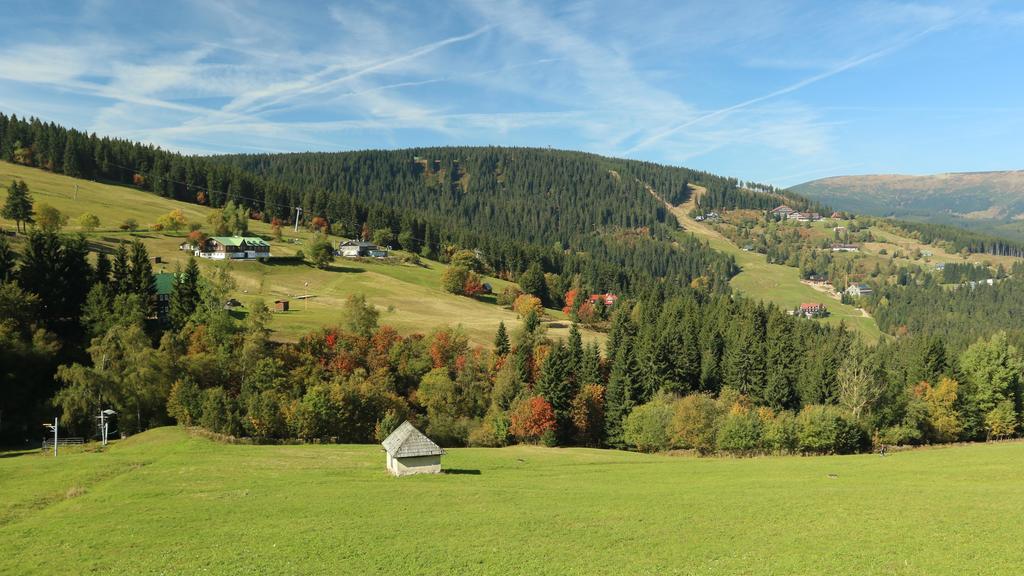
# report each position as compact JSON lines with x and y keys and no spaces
{"x":575,"y":352}
{"x":140,"y":279}
{"x":185,"y":298}
{"x":120,"y":271}
{"x":18,"y":206}
{"x":618,"y":397}
{"x":780,"y":364}
{"x":8,"y":259}
{"x":501,"y":342}
{"x":590,"y":366}
{"x":532,"y":282}
{"x":557,"y":387}
{"x":101,"y":273}
{"x":71,"y":167}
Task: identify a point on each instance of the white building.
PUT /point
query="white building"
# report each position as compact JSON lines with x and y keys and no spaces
{"x":233,"y":248}
{"x":409,"y":451}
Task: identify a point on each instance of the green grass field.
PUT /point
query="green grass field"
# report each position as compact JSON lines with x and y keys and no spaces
{"x":167,"y":503}
{"x":409,"y":297}
{"x":774,"y":282}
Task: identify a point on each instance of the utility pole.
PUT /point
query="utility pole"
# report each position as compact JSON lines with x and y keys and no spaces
{"x":298,"y":212}
{"x":55,"y":437}
{"x":76,"y":191}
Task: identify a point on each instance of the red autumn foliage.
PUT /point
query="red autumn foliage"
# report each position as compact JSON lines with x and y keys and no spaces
{"x":276,"y":222}
{"x":532,"y":418}
{"x":472,"y":286}
{"x":138,"y":179}
{"x":586,"y":313}
{"x":446,"y":346}
{"x":319,"y":224}
{"x":570,"y":299}
{"x":197,"y":237}
{"x":200,"y":197}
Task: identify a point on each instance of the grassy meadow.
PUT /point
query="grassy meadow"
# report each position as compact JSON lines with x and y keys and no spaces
{"x":409,"y":297}
{"x":165,"y":502}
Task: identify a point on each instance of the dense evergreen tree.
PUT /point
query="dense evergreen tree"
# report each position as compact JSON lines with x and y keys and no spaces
{"x":18,"y":206}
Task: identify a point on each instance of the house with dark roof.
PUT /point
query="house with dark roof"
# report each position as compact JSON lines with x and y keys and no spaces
{"x":859,"y":290}
{"x":163,"y":284}
{"x":409,"y":451}
{"x":358,"y":248}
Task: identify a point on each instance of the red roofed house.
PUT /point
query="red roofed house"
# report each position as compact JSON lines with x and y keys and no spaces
{"x":608,"y":299}
{"x":812,"y":310}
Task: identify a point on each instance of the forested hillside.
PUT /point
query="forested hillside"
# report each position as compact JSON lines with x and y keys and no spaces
{"x":989,"y":202}
{"x":575,"y":214}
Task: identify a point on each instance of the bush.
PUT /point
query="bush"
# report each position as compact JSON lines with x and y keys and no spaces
{"x":493,"y":431}
{"x":694,"y":421}
{"x":781,"y":433}
{"x":827,"y":430}
{"x":526,"y":303}
{"x":739,"y":432}
{"x":508,"y":296}
{"x":648,"y":426}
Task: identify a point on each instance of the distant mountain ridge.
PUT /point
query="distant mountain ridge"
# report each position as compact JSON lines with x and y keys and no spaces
{"x":990,"y":201}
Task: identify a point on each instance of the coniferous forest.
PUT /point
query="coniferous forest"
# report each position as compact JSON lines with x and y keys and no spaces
{"x":686,"y":364}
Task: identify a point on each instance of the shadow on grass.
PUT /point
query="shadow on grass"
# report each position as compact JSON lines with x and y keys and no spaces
{"x":15,"y":452}
{"x":466,"y":471}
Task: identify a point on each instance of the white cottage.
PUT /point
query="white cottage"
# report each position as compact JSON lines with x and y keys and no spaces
{"x":409,"y":451}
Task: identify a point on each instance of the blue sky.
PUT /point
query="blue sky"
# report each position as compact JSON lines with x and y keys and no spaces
{"x":777,"y":92}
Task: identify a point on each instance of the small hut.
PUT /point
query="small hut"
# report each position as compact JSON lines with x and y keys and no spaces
{"x":281,"y":305}
{"x":409,"y":451}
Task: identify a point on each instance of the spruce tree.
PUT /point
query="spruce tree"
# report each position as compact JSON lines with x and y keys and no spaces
{"x":780,"y":365}
{"x":575,"y":352}
{"x":185,"y":298}
{"x":120,"y":271}
{"x":532,"y":282}
{"x":8,"y":259}
{"x":140,"y":279}
{"x":18,"y":206}
{"x":618,"y":402}
{"x":557,"y":387}
{"x":501,"y":342}
{"x":101,"y":273}
{"x":71,"y":167}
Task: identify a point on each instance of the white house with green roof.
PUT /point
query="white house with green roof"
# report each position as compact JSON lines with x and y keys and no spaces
{"x":234,"y":248}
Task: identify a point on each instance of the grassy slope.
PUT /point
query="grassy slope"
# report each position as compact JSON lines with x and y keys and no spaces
{"x":409,"y":297}
{"x":165,"y":503}
{"x":774,"y":282}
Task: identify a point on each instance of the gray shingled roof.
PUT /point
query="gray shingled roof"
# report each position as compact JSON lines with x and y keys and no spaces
{"x":406,"y":441}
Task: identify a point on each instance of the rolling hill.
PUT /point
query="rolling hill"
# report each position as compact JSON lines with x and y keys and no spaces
{"x":987,"y":201}
{"x":409,"y":297}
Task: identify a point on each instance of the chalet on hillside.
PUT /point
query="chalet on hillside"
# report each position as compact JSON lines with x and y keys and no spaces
{"x":783,"y":211}
{"x":845,"y":248}
{"x":812,"y":310}
{"x":358,"y":248}
{"x":858,"y":290}
{"x":806,"y":216}
{"x":233,"y":248}
{"x":409,"y":451}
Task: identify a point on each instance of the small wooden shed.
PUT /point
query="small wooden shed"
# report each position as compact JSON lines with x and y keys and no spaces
{"x":409,"y":451}
{"x":281,"y":305}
